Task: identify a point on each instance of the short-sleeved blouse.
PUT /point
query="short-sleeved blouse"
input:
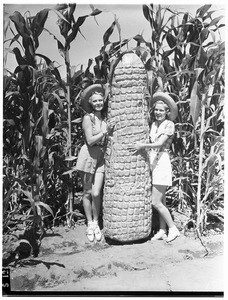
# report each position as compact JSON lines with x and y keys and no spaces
{"x":159,"y":158}
{"x":167,"y":127}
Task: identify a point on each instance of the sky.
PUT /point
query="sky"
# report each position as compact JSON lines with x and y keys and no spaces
{"x":83,"y":48}
{"x":130,"y":17}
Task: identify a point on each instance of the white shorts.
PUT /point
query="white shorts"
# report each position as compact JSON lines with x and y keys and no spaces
{"x":161,"y":168}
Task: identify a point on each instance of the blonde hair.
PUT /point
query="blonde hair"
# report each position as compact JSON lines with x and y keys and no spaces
{"x":91,"y":99}
{"x":162,"y":102}
{"x":166,"y":106}
{"x":96,"y":93}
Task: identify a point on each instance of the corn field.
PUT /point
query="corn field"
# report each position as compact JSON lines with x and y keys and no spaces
{"x":42,"y":131}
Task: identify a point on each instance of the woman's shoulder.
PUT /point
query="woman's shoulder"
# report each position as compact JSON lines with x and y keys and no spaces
{"x":169,"y":122}
{"x":169,"y":127}
{"x":88,"y":117}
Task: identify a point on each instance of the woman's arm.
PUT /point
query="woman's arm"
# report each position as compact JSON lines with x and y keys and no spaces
{"x":168,"y":131}
{"x":90,"y":138}
{"x":163,"y":138}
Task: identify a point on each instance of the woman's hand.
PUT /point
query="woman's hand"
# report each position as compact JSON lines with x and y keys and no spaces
{"x":110,"y":125}
{"x":136,"y":146}
{"x":106,"y":128}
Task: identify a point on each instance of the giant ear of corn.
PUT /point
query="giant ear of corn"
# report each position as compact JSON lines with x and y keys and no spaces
{"x":127,"y":211}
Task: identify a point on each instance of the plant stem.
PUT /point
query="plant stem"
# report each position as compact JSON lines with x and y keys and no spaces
{"x":200,"y":165}
{"x":70,"y":194}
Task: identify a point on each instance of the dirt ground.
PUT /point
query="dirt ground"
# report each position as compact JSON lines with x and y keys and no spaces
{"x":68,"y":264}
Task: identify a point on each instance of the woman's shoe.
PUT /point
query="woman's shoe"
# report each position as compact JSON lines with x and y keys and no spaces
{"x":173,"y":234}
{"x":97,"y":232}
{"x":90,"y":232}
{"x":160,"y":235}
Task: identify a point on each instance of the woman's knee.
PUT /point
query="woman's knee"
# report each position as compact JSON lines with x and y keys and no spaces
{"x":96,"y":193}
{"x":158,"y":194}
{"x":87,"y":193}
{"x":157,"y":205}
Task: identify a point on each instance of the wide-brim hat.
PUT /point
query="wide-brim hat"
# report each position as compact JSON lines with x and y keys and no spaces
{"x":87,"y":93}
{"x":165,"y":97}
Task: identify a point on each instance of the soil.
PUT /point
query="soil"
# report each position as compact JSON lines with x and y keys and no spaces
{"x":68,"y":264}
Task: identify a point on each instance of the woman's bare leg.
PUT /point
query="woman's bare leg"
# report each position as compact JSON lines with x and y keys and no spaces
{"x":87,"y":180}
{"x":161,"y":220}
{"x":158,"y":195}
{"x":96,"y":194}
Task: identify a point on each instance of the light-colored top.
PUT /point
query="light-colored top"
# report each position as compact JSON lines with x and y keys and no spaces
{"x":167,"y":127}
{"x":96,"y":128}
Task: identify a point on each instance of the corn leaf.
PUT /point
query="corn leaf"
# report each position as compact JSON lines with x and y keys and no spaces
{"x":29,"y":198}
{"x":46,"y":206}
{"x":71,"y":12}
{"x":37,"y":25}
{"x":95,"y":12}
{"x":14,"y":39}
{"x":45,"y":128}
{"x":108,"y":33}
{"x":70,"y":158}
{"x":215,"y":21}
{"x":76,"y":121}
{"x":195,"y":104}
{"x":204,"y":34}
{"x":38,"y":146}
{"x":20,"y":24}
{"x":146,"y":12}
{"x":60,"y":103}
{"x":19,"y":58}
{"x":202,"y":57}
{"x":54,"y":70}
{"x":70,"y":172}
{"x":171,"y":40}
{"x":76,"y":27}
{"x":202,"y":10}
{"x":60,"y":7}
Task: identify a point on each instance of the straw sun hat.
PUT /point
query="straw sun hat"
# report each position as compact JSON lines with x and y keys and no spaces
{"x":168,"y":100}
{"x":87,"y":93}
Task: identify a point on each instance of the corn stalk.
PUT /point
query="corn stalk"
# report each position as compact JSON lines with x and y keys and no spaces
{"x":26,"y":119}
{"x":186,"y":60}
{"x":201,"y":155}
{"x":69,"y":30}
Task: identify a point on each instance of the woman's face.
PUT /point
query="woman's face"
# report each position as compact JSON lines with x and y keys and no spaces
{"x":97,"y":102}
{"x":160,"y":112}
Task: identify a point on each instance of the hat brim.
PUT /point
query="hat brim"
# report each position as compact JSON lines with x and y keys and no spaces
{"x":87,"y":93}
{"x":169,"y":101}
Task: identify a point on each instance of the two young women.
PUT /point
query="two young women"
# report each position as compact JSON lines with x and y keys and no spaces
{"x":90,"y":163}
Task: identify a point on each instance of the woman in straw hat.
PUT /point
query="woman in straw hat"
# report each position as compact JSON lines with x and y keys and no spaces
{"x":90,"y":163}
{"x":163,"y":111}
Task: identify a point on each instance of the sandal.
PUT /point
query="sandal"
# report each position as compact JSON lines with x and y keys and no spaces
{"x":97,"y":232}
{"x":90,"y":233}
{"x":173,"y":234}
{"x":160,"y":235}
